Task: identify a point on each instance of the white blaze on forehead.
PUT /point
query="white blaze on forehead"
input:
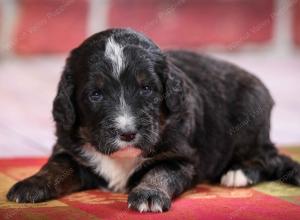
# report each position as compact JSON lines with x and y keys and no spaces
{"x":114,"y":52}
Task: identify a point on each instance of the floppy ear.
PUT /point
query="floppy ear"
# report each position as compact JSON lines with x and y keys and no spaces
{"x":63,"y":109}
{"x":176,"y":91}
{"x":179,"y":100}
{"x":172,"y":80}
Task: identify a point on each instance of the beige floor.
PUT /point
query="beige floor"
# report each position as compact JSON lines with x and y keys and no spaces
{"x":27,"y":88}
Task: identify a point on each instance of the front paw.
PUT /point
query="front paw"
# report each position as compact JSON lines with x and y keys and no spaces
{"x":30,"y":190}
{"x":148,"y":200}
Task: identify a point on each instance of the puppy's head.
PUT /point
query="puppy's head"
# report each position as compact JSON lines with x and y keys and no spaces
{"x":113,"y":90}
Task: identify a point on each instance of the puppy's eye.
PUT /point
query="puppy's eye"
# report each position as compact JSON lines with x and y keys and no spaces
{"x":146,"y":91}
{"x":96,"y":96}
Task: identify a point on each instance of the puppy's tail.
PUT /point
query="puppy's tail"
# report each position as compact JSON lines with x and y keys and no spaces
{"x":283,"y":168}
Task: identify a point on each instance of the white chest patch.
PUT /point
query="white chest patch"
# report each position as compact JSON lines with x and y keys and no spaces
{"x":115,"y":171}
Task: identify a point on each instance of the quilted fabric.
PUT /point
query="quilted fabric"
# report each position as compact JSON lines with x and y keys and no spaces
{"x":271,"y":200}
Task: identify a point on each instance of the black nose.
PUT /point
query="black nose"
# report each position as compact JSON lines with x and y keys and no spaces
{"x":127,"y":136}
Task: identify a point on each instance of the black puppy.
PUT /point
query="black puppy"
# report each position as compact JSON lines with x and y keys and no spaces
{"x":194,"y":119}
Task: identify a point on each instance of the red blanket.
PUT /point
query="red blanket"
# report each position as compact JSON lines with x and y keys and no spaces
{"x":272,"y":200}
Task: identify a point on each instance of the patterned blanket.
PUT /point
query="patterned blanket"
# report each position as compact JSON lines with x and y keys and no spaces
{"x":271,"y":200}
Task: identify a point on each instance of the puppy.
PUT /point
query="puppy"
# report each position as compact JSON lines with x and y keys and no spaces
{"x":189,"y":117}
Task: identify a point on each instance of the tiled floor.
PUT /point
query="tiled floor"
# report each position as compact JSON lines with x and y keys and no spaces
{"x":28,"y":86}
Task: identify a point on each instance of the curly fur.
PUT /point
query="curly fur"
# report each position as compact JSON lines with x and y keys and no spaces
{"x":195,"y":119}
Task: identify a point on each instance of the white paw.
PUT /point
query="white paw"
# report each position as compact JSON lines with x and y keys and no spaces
{"x":235,"y":178}
{"x":143,"y":207}
{"x":155,"y":207}
{"x":148,"y":200}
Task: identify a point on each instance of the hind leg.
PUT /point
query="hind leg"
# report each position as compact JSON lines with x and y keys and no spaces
{"x":254,"y":157}
{"x":268,"y":165}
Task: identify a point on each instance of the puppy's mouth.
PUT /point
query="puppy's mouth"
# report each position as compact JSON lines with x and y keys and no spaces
{"x":127,"y":148}
{"x":128,"y":151}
